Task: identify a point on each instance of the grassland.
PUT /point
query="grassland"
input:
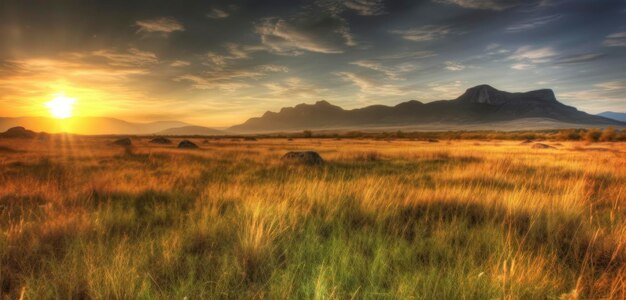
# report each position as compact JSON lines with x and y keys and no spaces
{"x":80,"y":218}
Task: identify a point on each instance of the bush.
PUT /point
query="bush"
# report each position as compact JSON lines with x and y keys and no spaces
{"x":608,"y":135}
{"x":592,"y":135}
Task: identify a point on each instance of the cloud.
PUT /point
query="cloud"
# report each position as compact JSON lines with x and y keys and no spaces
{"x":206,"y":83}
{"x":454,"y":66}
{"x":617,"y":39}
{"x":579,"y":58}
{"x":230,"y":79}
{"x":293,"y":87}
{"x":490,"y":4}
{"x":423,"y":33}
{"x":361,"y":7}
{"x":163,"y":25}
{"x":391,"y":72}
{"x":612,"y":85}
{"x":446,"y":90}
{"x":533,"y":55}
{"x":320,"y":34}
{"x":180,"y":63}
{"x":532,"y":23}
{"x":371,"y":86}
{"x":602,"y":96}
{"x":217,"y":13}
{"x":234,"y":52}
{"x":132,"y":57}
{"x":522,"y":66}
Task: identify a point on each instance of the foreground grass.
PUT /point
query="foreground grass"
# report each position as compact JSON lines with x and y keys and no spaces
{"x":408,"y":220}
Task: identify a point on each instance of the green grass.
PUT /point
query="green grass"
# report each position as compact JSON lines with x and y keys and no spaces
{"x":411,"y":221}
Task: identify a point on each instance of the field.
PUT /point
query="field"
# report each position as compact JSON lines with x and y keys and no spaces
{"x":400,"y":219}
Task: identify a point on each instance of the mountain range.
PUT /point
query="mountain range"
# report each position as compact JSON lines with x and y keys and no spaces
{"x":614,"y":115}
{"x":102,"y":125}
{"x":480,"y":107}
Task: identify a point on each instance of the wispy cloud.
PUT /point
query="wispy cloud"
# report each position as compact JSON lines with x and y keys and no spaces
{"x":522,"y":66}
{"x":490,"y":4}
{"x":578,"y":58}
{"x":533,"y":23}
{"x":602,"y":96}
{"x":180,"y":63}
{"x":370,"y":85}
{"x":533,"y":55}
{"x":617,"y":39}
{"x":394,"y":72}
{"x":293,"y":87}
{"x":454,"y":66}
{"x":423,"y":33}
{"x":445,"y":90}
{"x":361,"y":7}
{"x":217,"y":13}
{"x":164,"y":25}
{"x":132,"y":57}
{"x":284,"y":37}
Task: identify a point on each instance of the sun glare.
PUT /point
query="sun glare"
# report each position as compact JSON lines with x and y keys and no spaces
{"x":61,"y":106}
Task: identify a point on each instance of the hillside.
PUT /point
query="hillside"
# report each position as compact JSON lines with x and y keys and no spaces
{"x":477,"y":107}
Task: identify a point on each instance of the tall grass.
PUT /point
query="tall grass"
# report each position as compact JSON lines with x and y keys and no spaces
{"x":400,"y":219}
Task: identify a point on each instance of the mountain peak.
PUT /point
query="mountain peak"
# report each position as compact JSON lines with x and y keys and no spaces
{"x":484,"y":94}
{"x":323,"y":103}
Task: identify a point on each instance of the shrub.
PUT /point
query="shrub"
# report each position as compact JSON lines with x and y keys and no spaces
{"x":592,"y":135}
{"x":608,"y":135}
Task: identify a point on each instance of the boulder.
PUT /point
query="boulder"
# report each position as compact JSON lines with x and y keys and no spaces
{"x":161,"y":140}
{"x":542,"y":146}
{"x":186,"y":144}
{"x":123,"y":142}
{"x":303,"y":157}
{"x":433,"y":141}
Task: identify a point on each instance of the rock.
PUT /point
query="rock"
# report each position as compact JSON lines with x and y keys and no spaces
{"x":161,"y":140}
{"x":123,"y":142}
{"x":526,"y":142}
{"x":186,"y":144}
{"x":19,"y":132}
{"x":542,"y":146}
{"x":303,"y":157}
{"x":433,"y":141}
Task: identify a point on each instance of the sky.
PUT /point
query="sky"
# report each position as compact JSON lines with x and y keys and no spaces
{"x":218,"y":63}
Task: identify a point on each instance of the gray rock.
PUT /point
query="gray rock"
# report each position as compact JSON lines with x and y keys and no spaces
{"x":161,"y":140}
{"x":542,"y":146}
{"x":303,"y":157}
{"x":186,"y":144}
{"x":123,"y":142}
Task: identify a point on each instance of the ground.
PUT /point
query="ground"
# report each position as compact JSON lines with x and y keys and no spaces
{"x":83,"y":218}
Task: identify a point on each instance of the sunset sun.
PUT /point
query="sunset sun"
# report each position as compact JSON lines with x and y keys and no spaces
{"x":61,"y":106}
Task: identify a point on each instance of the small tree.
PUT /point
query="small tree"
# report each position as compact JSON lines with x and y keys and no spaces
{"x":569,"y":134}
{"x":307,"y":134}
{"x":592,"y":135}
{"x":608,"y":135}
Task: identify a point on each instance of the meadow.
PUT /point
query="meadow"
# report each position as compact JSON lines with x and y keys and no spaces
{"x":81,"y":218}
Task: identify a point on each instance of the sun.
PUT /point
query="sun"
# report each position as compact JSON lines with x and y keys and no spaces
{"x":61,"y":106}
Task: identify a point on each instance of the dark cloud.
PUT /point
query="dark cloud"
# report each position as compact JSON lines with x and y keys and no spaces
{"x":247,"y":56}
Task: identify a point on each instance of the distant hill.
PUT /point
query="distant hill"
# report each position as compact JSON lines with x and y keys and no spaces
{"x":88,"y":125}
{"x":481,"y":105}
{"x":18,"y":132}
{"x":614,"y":115}
{"x":191,"y":130}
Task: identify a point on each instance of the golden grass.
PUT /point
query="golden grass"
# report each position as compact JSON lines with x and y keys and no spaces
{"x":81,"y":218}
